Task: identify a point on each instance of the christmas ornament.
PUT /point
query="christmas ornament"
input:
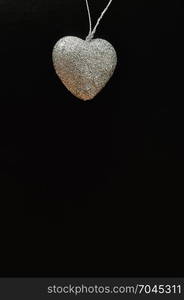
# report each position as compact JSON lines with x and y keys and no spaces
{"x":85,"y":66}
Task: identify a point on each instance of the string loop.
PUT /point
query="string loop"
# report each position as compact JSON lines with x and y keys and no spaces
{"x":92,"y":32}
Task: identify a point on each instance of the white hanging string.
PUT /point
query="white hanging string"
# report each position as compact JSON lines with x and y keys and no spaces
{"x":92,"y":32}
{"x":89,"y":16}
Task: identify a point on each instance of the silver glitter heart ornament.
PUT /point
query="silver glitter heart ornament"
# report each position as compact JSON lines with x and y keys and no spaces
{"x":84,"y":66}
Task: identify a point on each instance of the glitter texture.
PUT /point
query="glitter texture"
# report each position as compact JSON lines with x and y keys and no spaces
{"x":84,"y":67}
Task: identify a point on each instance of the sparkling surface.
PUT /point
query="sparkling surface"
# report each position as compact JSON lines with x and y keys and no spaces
{"x":84,"y":67}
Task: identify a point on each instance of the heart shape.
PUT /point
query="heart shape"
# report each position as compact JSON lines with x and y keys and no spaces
{"x":84,"y":66}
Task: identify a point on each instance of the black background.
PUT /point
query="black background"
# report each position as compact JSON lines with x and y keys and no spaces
{"x":92,"y":188}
